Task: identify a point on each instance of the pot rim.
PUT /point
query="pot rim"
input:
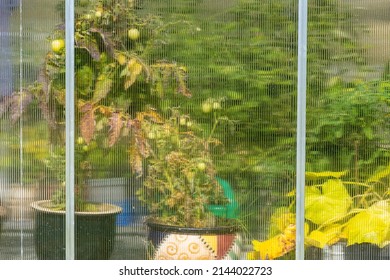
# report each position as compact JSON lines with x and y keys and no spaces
{"x":108,"y":209}
{"x":230,"y":229}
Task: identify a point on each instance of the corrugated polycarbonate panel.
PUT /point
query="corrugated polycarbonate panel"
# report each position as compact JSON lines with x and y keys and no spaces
{"x":347,"y":131}
{"x":242,"y":57}
{"x":206,"y":85}
{"x":24,"y":28}
{"x":202,"y":113}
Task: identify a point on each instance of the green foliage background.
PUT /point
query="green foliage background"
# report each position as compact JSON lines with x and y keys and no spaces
{"x":243,"y":53}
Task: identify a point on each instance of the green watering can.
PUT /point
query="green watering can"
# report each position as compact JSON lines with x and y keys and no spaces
{"x":230,"y":210}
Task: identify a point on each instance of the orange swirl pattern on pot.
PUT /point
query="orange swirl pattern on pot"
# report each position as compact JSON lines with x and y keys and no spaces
{"x":194,"y":247}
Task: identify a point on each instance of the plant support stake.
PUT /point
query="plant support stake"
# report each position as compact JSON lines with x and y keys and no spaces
{"x":69,"y":130}
{"x":301,"y":130}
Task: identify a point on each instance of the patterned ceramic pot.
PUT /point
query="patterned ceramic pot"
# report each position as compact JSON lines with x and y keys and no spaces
{"x":179,"y":243}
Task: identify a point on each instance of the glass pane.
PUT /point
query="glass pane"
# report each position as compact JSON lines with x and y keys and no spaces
{"x":24,"y":135}
{"x":241,"y":63}
{"x":347,"y":139}
{"x":185,"y":111}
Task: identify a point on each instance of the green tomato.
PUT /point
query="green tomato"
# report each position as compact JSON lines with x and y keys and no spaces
{"x":152,"y":135}
{"x":80,"y":140}
{"x":57,"y":45}
{"x":189,"y":123}
{"x":216,"y":105}
{"x":207,"y":107}
{"x":201,"y":166}
{"x":88,"y":16}
{"x":133,"y":34}
{"x":122,"y":60}
{"x":183,"y":121}
{"x":98,"y":14}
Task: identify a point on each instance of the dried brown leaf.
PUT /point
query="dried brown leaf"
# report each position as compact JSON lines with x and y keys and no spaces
{"x":116,"y":124}
{"x":106,"y":38}
{"x":150,"y":114}
{"x":19,"y":104}
{"x":5,"y":104}
{"x":136,"y":161}
{"x":87,"y":122}
{"x":91,"y":47}
{"x":139,"y":139}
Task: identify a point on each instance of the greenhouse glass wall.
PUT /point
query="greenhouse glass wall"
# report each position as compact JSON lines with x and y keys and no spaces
{"x":207,"y":129}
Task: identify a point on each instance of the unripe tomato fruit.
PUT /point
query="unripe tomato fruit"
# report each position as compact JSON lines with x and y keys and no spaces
{"x":80,"y":140}
{"x":216,"y":105}
{"x":201,"y":166}
{"x":207,"y":107}
{"x":183,"y":121}
{"x":133,"y":34}
{"x":57,"y":45}
{"x":121,"y":59}
{"x":98,"y":14}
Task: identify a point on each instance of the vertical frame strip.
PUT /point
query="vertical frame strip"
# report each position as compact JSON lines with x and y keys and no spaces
{"x":69,"y":130}
{"x":21,"y":136}
{"x":301,"y":129}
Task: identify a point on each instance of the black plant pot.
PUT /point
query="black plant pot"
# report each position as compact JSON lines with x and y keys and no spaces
{"x":367,"y":251}
{"x":94,"y":233}
{"x":2,"y":216}
{"x":168,"y":242}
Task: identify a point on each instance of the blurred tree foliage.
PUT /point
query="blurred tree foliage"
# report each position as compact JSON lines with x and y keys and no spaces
{"x":241,"y":56}
{"x":243,"y":53}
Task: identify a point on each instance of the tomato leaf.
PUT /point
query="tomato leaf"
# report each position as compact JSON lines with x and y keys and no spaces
{"x":134,"y":69}
{"x":90,"y":46}
{"x":102,"y":88}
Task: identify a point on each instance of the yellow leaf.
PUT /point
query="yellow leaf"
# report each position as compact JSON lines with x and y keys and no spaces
{"x":134,"y":69}
{"x":317,"y":239}
{"x":370,"y":226}
{"x":377,"y":176}
{"x":276,"y":246}
{"x":328,"y":236}
{"x":280,"y":219}
{"x":325,"y":174}
{"x":269,"y":249}
{"x":253,"y":255}
{"x":327,"y":202}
